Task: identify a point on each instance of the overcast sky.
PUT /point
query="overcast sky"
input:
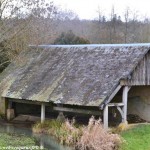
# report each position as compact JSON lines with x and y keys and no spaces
{"x":86,"y":9}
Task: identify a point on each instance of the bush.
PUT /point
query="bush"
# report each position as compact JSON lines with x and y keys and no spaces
{"x":70,"y":38}
{"x":66,"y":133}
{"x":46,"y":126}
{"x":94,"y":137}
{"x":90,"y":137}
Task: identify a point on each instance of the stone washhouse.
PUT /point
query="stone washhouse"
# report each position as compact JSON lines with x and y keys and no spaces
{"x":82,"y":76}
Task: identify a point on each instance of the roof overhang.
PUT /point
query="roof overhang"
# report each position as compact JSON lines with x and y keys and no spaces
{"x":110,"y":97}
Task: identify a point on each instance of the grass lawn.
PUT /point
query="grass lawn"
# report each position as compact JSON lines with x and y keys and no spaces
{"x":137,"y":138}
{"x":15,"y":140}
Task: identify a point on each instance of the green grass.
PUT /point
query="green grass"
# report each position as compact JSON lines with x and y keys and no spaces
{"x":137,"y":138}
{"x":15,"y":140}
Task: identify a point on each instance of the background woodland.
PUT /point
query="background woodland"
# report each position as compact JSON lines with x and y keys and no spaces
{"x":34,"y":22}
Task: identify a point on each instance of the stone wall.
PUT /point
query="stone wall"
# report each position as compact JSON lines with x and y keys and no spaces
{"x":139,"y":102}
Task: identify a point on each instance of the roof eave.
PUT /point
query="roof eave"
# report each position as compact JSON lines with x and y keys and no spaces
{"x":111,"y":96}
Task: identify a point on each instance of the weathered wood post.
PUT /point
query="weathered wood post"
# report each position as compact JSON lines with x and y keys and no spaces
{"x":105,"y":117}
{"x":42,"y":112}
{"x":125,"y":100}
{"x":10,"y":111}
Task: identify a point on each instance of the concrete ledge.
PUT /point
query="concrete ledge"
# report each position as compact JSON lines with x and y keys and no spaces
{"x":27,"y":118}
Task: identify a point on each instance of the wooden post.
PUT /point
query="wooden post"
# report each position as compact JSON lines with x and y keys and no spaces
{"x":105,"y":117}
{"x":42,"y":112}
{"x":125,"y":100}
{"x":10,"y":113}
{"x":9,"y":104}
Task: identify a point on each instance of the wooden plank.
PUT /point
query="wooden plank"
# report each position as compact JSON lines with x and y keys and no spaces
{"x":115,"y":104}
{"x":29,"y":102}
{"x":75,"y":110}
{"x":105,"y":117}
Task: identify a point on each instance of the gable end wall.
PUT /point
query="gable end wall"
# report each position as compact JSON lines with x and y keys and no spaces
{"x":141,"y":74}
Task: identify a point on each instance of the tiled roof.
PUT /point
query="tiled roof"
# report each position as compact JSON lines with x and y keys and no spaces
{"x":77,"y":75}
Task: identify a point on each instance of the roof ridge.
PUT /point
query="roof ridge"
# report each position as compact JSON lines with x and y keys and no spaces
{"x":92,"y":45}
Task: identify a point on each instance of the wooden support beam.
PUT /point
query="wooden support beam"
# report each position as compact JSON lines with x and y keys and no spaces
{"x":42,"y":112}
{"x":115,"y":104}
{"x":125,"y":100}
{"x":114,"y":93}
{"x":10,"y":113}
{"x":121,"y":112}
{"x":28,"y":102}
{"x":77,"y":110}
{"x":105,"y":117}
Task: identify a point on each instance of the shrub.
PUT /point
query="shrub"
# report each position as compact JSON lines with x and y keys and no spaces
{"x":70,"y":38}
{"x":66,"y":133}
{"x":94,"y":137}
{"x":46,"y":126}
{"x":90,"y":137}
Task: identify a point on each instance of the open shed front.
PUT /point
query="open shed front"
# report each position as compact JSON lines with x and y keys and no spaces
{"x":139,"y":102}
{"x":120,"y":104}
{"x":48,"y":110}
{"x":128,"y":102}
{"x":133,"y":100}
{"x":80,"y":76}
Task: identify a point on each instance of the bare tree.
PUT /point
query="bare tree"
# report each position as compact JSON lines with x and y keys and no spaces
{"x":126,"y":18}
{"x":100,"y":13}
{"x":19,"y":21}
{"x":67,"y":14}
{"x":112,"y":25}
{"x":146,"y":30}
{"x":134,"y":26}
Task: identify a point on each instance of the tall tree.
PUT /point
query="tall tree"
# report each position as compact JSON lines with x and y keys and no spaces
{"x":126,"y":18}
{"x":112,"y":25}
